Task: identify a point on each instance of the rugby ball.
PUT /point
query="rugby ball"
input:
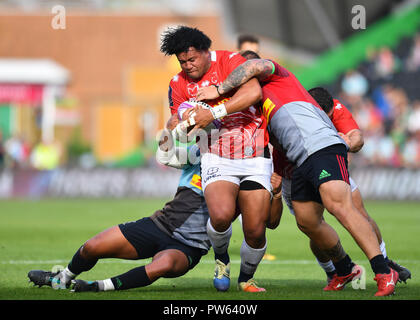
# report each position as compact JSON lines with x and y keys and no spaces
{"x":184,"y":127}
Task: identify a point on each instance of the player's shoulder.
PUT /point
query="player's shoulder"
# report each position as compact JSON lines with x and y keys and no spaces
{"x":340,"y":108}
{"x":178,"y":78}
{"x":225,"y":56}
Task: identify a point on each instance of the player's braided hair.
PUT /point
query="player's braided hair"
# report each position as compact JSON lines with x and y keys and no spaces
{"x":323,"y":97}
{"x":181,"y":38}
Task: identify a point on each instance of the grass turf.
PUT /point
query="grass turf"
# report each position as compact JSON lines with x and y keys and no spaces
{"x":46,"y":233}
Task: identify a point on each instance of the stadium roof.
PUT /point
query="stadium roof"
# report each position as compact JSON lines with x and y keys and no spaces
{"x":34,"y":71}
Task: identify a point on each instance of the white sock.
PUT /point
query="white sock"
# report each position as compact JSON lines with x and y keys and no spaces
{"x":219,"y":240}
{"x":106,"y":285}
{"x":327,"y":266}
{"x":66,"y":276}
{"x":250,"y":257}
{"x":383,"y":250}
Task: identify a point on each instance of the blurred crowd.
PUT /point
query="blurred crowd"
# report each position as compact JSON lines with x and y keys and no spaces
{"x":17,"y":153}
{"x":383,"y":94}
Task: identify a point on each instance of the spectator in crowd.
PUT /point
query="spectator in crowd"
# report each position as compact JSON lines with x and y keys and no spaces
{"x":354,"y":85}
{"x":386,"y":63}
{"x":45,"y":156}
{"x":248,"y":42}
{"x":413,"y":61}
{"x":2,"y":151}
{"x":17,"y":152}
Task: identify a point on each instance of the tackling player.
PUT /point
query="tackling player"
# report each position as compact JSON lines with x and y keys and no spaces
{"x":320,"y":178}
{"x":236,"y":165}
{"x":348,"y":129}
{"x":175,"y":237}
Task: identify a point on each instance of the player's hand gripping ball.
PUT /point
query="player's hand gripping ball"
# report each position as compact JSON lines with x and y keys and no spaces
{"x":183,"y":129}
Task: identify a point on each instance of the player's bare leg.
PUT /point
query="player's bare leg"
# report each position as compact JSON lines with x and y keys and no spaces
{"x":255,"y":209}
{"x":110,"y":243}
{"x":309,"y":220}
{"x":336,"y":197}
{"x":221,"y":201}
{"x":358,"y":203}
{"x":403,"y":273}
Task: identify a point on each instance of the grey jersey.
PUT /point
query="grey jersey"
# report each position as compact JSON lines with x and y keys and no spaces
{"x":301,"y":129}
{"x":185,"y":217}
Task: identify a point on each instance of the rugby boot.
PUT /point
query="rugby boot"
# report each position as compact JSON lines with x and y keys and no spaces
{"x":386,"y":283}
{"x":221,"y":280}
{"x":84,"y":286}
{"x":41,"y":278}
{"x":250,"y":286}
{"x":338,"y":283}
{"x":403,"y":273}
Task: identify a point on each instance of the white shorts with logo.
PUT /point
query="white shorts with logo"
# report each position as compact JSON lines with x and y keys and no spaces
{"x":286,"y":189}
{"x":215,"y":168}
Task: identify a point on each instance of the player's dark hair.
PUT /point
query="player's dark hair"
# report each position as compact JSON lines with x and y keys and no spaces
{"x":181,"y":38}
{"x":323,"y":97}
{"x":247,"y":38}
{"x":248,"y":54}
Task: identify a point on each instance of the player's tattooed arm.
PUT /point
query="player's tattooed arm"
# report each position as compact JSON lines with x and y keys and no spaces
{"x":258,"y":68}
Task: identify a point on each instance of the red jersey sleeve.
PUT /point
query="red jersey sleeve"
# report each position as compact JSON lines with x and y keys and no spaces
{"x":176,"y":94}
{"x":229,"y":61}
{"x":342,"y":118}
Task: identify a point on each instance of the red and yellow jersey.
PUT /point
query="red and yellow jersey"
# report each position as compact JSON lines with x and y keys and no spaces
{"x":281,"y":88}
{"x":281,"y":165}
{"x":342,"y":118}
{"x":242,"y":134}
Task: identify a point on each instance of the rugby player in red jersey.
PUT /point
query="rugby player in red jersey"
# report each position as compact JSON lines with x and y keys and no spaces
{"x":348,"y":129}
{"x":236,"y":164}
{"x":301,"y":129}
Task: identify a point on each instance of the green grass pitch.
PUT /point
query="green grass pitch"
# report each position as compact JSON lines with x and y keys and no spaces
{"x":43,"y":234}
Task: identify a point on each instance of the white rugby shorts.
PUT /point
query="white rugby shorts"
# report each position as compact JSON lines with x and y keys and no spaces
{"x":215,"y":168}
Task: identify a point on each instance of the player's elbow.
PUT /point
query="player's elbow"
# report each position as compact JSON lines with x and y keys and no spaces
{"x":358,"y":142}
{"x":275,"y":217}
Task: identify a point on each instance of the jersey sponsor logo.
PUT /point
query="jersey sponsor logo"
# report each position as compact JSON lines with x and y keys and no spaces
{"x":212,"y":173}
{"x":214,"y":78}
{"x":268,"y":106}
{"x":212,"y":170}
{"x":338,"y":106}
{"x":196,"y":181}
{"x":192,"y":89}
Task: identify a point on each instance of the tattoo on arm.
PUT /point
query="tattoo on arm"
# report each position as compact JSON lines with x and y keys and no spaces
{"x":252,"y":68}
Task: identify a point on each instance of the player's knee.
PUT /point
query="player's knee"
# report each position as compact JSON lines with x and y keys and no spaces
{"x":255,"y":237}
{"x":220,"y":219}
{"x":170,"y":267}
{"x":90,"y":250}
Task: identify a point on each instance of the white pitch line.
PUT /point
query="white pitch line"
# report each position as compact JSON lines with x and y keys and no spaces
{"x":206,"y":261}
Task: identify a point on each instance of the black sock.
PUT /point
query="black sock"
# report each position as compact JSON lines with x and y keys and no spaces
{"x":134,"y":278}
{"x":222,"y":257}
{"x":78,"y":264}
{"x":379,"y":265}
{"x":343,"y":266}
{"x":244,"y":277}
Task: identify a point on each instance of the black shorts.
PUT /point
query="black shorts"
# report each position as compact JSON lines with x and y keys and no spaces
{"x":324,"y":165}
{"x":148,"y":240}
